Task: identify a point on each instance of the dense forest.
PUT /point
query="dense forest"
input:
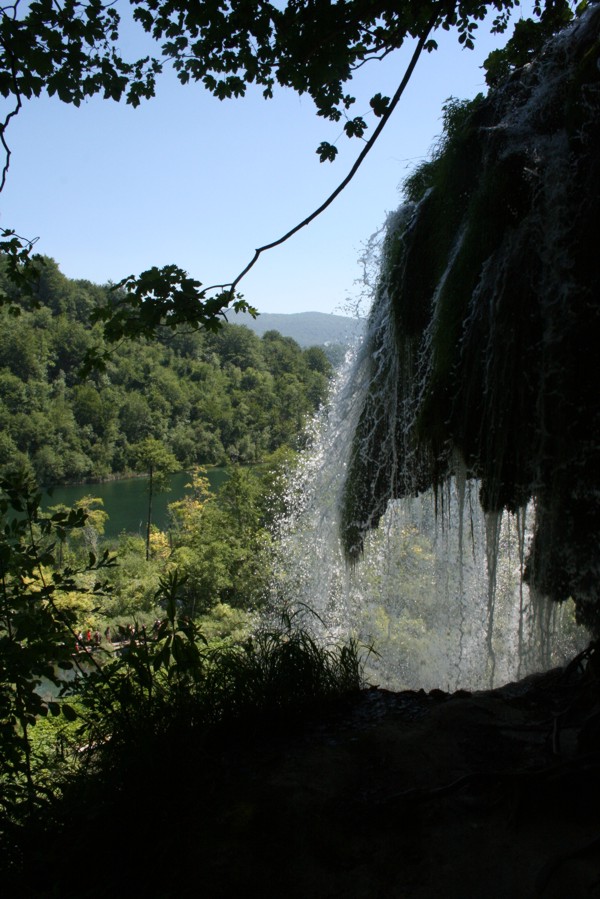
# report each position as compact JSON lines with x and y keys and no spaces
{"x":164,"y":616}
{"x":209,"y":397}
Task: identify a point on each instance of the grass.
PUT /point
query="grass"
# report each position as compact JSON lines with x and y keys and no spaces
{"x":158,"y":759}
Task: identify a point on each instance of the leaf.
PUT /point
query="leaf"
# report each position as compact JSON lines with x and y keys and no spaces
{"x":355,"y":127}
{"x":69,"y":712}
{"x":379,"y":104}
{"x":179,"y":650}
{"x":163,"y":656}
{"x":326,"y":152}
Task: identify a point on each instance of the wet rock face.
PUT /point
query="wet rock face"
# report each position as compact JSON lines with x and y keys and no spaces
{"x":485,"y":332}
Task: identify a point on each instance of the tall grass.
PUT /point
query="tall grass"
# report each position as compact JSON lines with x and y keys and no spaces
{"x":179,"y":693}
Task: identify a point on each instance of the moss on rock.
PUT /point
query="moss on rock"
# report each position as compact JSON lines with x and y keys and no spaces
{"x":486,"y":326}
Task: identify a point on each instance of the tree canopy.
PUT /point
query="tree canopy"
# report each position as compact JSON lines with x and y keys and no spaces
{"x":314,"y":47}
{"x":210,"y":398}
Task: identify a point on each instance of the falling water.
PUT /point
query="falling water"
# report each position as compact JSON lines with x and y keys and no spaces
{"x":438,"y":592}
{"x":473,"y":393}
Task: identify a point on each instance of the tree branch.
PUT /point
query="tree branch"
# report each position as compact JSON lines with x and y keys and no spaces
{"x":4,"y":125}
{"x":374,"y":57}
{"x":359,"y":160}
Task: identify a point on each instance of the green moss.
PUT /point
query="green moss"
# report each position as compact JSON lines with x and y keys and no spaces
{"x":493,"y":283}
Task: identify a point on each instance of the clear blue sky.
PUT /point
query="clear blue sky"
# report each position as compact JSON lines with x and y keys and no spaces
{"x":187,"y":179}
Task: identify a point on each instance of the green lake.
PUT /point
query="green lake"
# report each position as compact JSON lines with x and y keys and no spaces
{"x":126,"y":501}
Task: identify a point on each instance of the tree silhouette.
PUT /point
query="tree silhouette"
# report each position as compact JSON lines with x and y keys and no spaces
{"x":153,"y":458}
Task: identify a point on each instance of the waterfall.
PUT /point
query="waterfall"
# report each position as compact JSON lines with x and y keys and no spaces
{"x":449,"y":510}
{"x":437,"y":591}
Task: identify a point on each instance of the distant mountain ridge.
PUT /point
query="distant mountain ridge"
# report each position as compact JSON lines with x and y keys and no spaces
{"x":306,"y":328}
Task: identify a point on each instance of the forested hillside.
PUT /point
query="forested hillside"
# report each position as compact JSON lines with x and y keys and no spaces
{"x":210,"y":398}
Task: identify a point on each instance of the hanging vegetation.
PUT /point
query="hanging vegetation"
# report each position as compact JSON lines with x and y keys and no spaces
{"x":484,"y":334}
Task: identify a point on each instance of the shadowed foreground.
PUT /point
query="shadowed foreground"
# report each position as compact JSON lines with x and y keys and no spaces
{"x":465,"y":796}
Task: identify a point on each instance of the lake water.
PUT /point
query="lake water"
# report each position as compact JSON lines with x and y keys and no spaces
{"x":126,"y":501}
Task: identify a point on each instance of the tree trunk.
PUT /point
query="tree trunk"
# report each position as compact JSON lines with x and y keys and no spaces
{"x":150,"y":485}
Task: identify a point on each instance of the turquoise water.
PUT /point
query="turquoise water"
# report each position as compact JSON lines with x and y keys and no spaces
{"x":126,"y":501}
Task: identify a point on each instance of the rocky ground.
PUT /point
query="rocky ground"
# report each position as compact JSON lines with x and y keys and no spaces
{"x":489,"y":795}
{"x":468,"y":796}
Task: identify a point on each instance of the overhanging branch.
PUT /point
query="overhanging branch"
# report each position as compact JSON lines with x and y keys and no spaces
{"x":4,"y":125}
{"x":358,"y":162}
